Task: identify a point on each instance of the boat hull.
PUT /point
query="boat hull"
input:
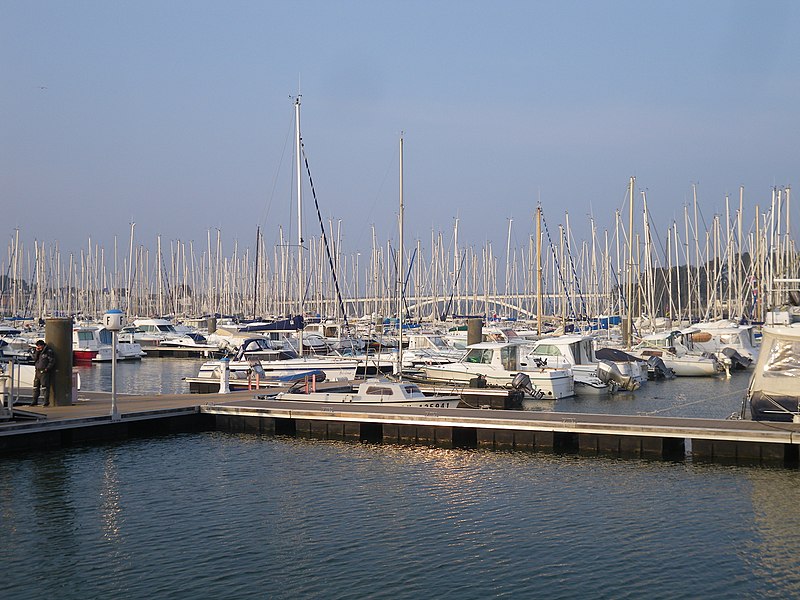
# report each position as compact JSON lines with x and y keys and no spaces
{"x":334,"y":398}
{"x":767,"y":407}
{"x":553,"y":383}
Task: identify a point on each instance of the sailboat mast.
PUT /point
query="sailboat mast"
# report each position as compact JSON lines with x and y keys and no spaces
{"x":300,"y":277}
{"x":400,"y":272}
{"x":255,"y":274}
{"x":539,"y":307}
{"x":629,"y":293}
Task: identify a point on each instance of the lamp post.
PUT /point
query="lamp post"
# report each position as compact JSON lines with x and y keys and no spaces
{"x":112,"y":321}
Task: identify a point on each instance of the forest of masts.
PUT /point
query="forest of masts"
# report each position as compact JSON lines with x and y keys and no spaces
{"x":688,"y":271}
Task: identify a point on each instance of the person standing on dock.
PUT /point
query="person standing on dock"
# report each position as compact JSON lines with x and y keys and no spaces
{"x":44,"y":360}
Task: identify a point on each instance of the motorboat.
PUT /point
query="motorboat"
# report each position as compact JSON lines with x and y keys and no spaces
{"x":634,"y":366}
{"x":671,"y":347}
{"x":160,"y":337}
{"x":576,"y":352}
{"x":428,"y":349}
{"x":377,"y":392}
{"x":272,"y":364}
{"x":727,"y":340}
{"x":93,"y":343}
{"x":498,"y":363}
{"x":773,"y":393}
{"x":336,"y":335}
{"x":16,"y":345}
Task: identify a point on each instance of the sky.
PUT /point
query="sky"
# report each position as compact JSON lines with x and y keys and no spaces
{"x":178,"y":116}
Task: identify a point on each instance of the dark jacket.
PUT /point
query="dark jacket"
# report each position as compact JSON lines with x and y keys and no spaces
{"x":44,"y":359}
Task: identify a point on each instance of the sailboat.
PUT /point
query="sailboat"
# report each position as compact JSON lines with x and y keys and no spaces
{"x":285,"y":364}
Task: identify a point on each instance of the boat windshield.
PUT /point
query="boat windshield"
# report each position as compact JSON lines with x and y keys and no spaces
{"x":479,"y":355}
{"x":378,"y":390}
{"x":546,"y":350}
{"x":438,"y":342}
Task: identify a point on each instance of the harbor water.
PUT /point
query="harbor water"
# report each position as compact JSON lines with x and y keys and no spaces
{"x":713,"y":398}
{"x":216,"y":515}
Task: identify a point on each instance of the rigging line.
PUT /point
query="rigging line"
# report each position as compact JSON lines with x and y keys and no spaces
{"x":406,"y":278}
{"x":453,"y":292}
{"x":405,"y":283}
{"x":34,"y":279}
{"x":557,"y":267}
{"x":575,"y":277}
{"x":277,"y":173}
{"x":359,"y":239}
{"x":327,"y":247}
{"x":665,"y":251}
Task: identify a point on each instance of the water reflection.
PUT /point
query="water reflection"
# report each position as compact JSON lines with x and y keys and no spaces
{"x":216,"y":515}
{"x":776,"y":544}
{"x":110,"y":504}
{"x":52,"y":501}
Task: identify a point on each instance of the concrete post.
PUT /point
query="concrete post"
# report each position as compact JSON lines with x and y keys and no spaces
{"x":474,"y":331}
{"x":58,"y":335}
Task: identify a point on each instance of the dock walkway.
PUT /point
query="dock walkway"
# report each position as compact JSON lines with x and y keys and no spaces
{"x":243,"y":412}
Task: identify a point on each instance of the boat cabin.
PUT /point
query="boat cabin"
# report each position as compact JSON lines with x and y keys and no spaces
{"x":494,"y":353}
{"x":389,"y":390}
{"x":564,"y":351}
{"x":263,"y":349}
{"x":773,"y":391}
{"x":427,"y":341}
{"x":154,"y":326}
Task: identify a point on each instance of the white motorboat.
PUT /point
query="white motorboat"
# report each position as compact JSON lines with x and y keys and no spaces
{"x":270,"y":364}
{"x":16,"y":345}
{"x":335,"y":335}
{"x":377,"y":392}
{"x":669,"y":346}
{"x":160,"y":337}
{"x":773,"y":392}
{"x":727,"y":340}
{"x":499,"y":363}
{"x":93,"y":343}
{"x":576,"y":352}
{"x":428,"y":349}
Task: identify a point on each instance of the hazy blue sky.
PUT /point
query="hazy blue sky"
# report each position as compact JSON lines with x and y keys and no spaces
{"x":177,"y":114}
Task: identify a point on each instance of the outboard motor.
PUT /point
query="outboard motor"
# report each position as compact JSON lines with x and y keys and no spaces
{"x":737,"y":360}
{"x":609,"y":372}
{"x":523,"y":383}
{"x":656,"y":369}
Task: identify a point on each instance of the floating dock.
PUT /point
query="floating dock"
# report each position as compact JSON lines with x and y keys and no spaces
{"x":664,"y":438}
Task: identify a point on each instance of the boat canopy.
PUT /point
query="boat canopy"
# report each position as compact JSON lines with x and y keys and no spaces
{"x":778,"y":368}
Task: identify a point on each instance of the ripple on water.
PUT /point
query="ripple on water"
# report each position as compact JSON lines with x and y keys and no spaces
{"x":224,"y":516}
